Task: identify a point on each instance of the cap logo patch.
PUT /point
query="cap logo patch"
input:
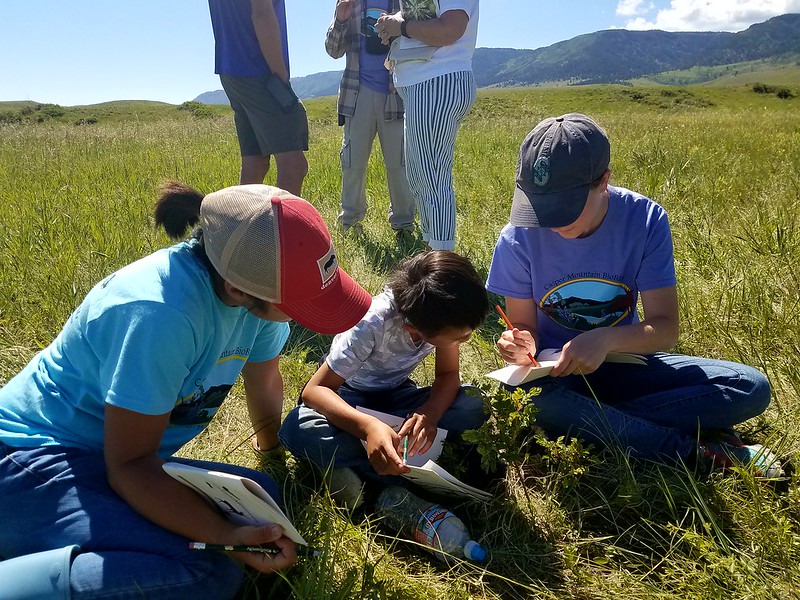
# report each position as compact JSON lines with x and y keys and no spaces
{"x":541,"y":171}
{"x":328,"y":266}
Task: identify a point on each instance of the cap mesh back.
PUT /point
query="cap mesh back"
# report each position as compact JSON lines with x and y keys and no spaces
{"x":240,"y":229}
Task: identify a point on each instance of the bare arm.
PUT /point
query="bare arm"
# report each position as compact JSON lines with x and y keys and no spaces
{"x":131,"y":442}
{"x":656,"y":333}
{"x":268,"y":32}
{"x":382,"y":442}
{"x":263,"y":387}
{"x":515,"y":344}
{"x":440,"y":31}
{"x":421,"y":425}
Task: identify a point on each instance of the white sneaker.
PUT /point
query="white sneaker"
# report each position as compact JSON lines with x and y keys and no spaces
{"x":346,"y":488}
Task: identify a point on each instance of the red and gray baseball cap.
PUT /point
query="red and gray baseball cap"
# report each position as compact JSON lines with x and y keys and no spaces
{"x":275,"y":246}
{"x":557,"y":163}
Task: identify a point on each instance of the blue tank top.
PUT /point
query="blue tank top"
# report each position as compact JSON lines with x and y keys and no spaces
{"x":237,"y":51}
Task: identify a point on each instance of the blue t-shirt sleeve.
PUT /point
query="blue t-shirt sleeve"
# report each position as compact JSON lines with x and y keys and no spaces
{"x":657,"y":268}
{"x":269,"y":342}
{"x":146,"y":350}
{"x":510,"y":270}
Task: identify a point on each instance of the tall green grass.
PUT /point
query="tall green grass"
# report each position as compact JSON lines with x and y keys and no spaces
{"x":76,"y":202}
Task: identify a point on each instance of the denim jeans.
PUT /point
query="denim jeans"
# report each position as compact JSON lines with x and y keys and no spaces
{"x":54,"y":496}
{"x":657,"y":411}
{"x":308,"y":434}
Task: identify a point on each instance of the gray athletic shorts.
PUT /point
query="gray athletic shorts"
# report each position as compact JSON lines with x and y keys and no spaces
{"x":261,"y":126}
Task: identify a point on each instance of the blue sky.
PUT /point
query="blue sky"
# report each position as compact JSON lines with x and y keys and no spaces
{"x":73,"y":52}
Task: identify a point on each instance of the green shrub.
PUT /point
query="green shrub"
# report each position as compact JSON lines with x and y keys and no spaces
{"x":197,"y":109}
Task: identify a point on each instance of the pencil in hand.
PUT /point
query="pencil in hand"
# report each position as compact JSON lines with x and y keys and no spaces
{"x":405,"y":439}
{"x":510,"y":325}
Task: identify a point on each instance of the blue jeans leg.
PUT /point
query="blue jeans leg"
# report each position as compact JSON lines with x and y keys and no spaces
{"x":308,"y":434}
{"x":657,"y":410}
{"x":55,"y":496}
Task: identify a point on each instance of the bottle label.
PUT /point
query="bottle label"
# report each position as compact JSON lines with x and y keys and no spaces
{"x":428,"y":524}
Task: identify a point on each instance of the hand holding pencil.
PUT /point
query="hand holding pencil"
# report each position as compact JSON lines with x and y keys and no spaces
{"x":509,"y":353}
{"x":282,"y":552}
{"x":418,"y":432}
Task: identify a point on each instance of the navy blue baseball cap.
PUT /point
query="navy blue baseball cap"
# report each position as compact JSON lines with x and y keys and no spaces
{"x":558,"y":161}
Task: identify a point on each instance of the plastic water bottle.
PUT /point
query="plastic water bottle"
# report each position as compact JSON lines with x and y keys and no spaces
{"x":429,"y":524}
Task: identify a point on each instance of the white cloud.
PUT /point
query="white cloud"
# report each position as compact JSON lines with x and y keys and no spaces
{"x":711,"y":15}
{"x":629,"y":8}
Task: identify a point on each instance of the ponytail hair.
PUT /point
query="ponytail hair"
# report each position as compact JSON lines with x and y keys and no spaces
{"x":177,"y":208}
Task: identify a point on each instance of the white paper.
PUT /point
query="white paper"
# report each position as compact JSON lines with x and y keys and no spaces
{"x":435,"y":479}
{"x":395,"y":423}
{"x":514,"y":375}
{"x":517,"y":375}
{"x":242,"y":500}
{"x":424,"y":471}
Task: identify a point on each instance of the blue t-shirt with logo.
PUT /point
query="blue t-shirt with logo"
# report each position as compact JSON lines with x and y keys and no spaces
{"x":581,"y":284}
{"x":236,"y":48}
{"x":153,"y":338}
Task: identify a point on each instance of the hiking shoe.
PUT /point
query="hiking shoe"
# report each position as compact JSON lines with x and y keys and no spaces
{"x":759,"y":458}
{"x":346,"y":488}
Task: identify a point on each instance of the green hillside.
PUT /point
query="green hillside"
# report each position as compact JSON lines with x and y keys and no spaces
{"x":107,"y":112}
{"x":785,"y":71}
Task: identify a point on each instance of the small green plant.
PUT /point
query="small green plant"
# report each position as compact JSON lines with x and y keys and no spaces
{"x":568,"y":459}
{"x":505,"y":436}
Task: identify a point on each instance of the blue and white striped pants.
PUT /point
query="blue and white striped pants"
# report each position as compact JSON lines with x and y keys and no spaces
{"x":434,"y":110}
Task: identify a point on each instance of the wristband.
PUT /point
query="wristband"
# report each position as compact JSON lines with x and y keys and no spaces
{"x":403,"y":31}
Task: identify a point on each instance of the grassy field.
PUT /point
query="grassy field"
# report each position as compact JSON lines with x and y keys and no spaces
{"x":76,"y":203}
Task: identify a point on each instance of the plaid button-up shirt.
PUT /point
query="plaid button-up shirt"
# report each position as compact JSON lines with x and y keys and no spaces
{"x":344,"y":38}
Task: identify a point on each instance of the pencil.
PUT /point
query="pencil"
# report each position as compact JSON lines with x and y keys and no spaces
{"x":405,"y":439}
{"x":300,"y":550}
{"x":510,"y":325}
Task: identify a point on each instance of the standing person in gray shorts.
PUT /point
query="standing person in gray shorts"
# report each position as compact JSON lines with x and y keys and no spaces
{"x":252,"y":61}
{"x":368,"y":105}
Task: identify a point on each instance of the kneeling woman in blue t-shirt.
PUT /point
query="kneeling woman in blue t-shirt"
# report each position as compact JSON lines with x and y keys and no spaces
{"x":139,"y":369}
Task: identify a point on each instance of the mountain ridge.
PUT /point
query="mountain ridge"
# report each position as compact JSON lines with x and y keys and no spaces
{"x":607,"y":56}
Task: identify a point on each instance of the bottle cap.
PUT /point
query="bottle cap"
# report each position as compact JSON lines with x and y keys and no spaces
{"x":474,"y":551}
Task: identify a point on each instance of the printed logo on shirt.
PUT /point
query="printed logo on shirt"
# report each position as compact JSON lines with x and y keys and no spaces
{"x":237,"y":353}
{"x":200,"y":407}
{"x":371,"y":16}
{"x":588,"y":303}
{"x":418,"y":10}
{"x":372,"y":43}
